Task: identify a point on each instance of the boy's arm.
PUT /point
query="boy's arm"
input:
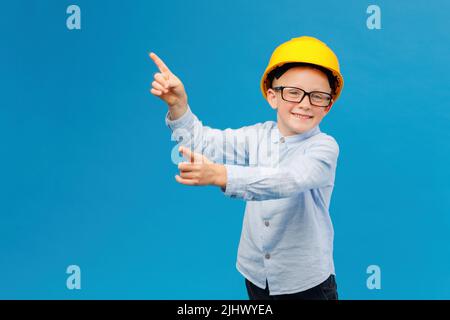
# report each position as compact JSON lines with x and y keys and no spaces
{"x":312,"y":170}
{"x":222,"y":146}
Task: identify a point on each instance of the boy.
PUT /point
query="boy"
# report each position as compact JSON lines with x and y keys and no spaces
{"x":285,"y":170}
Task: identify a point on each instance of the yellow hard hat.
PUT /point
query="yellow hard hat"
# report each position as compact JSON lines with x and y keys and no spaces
{"x":307,"y":50}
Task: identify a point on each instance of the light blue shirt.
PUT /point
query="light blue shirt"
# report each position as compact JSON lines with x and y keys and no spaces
{"x":287,"y":182}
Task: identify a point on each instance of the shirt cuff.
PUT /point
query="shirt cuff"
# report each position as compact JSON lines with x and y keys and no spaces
{"x":185,"y":120}
{"x":236,"y":186}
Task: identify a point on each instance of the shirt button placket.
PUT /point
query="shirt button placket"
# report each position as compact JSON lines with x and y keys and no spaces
{"x":267,"y":255}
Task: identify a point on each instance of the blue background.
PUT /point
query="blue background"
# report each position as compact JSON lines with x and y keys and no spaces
{"x":86,"y":175}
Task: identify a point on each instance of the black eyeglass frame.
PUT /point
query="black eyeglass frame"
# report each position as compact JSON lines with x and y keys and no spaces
{"x":305,"y":93}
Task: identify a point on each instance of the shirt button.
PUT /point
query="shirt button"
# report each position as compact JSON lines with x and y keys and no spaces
{"x":282,"y":140}
{"x":267,"y":256}
{"x":266,"y":223}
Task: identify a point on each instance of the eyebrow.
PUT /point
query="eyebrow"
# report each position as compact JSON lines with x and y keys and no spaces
{"x":299,"y":87}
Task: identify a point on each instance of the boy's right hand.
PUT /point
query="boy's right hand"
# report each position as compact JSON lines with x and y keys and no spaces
{"x":169,"y":88}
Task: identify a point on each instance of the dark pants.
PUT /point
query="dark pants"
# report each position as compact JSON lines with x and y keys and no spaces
{"x":327,"y":290}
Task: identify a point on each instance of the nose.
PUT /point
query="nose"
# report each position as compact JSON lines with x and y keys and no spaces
{"x":305,"y":103}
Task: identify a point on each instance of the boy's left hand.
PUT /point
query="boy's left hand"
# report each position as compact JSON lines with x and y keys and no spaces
{"x":200,"y":171}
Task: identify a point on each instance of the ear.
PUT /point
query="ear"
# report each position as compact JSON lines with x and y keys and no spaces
{"x":327,"y":109}
{"x":272,"y":98}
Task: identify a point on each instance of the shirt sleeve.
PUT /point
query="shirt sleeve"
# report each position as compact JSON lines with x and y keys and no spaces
{"x":221,"y":146}
{"x":311,"y":170}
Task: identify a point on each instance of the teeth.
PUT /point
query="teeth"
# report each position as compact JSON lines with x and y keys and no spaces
{"x":301,"y":116}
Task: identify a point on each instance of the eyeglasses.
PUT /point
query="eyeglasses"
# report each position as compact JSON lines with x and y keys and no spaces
{"x":316,"y":98}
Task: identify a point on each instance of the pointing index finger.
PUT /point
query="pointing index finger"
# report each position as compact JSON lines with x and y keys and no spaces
{"x":187,"y":153}
{"x":159,"y":63}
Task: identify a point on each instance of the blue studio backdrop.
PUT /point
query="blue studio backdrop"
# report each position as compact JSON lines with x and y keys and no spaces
{"x":86,"y":176}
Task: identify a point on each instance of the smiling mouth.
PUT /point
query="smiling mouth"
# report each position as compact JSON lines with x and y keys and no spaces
{"x":301,"y":116}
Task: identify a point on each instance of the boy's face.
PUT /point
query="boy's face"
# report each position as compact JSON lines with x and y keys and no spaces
{"x":308,"y":79}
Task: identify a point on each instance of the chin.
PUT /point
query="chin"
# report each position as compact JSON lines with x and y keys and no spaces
{"x":293,"y":125}
{"x":301,"y":128}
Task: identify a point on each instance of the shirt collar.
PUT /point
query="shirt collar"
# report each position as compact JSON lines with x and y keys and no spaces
{"x":277,"y":136}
